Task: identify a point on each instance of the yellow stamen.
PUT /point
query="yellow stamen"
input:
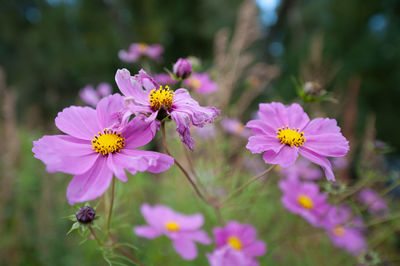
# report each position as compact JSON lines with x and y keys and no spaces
{"x":235,"y":242}
{"x":194,"y":83}
{"x":305,"y":202}
{"x":163,"y":97}
{"x":142,"y":47}
{"x":290,"y":136}
{"x":339,"y":230}
{"x":108,"y":142}
{"x":172,"y":226}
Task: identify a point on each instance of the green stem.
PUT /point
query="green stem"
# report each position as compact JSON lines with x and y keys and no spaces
{"x":251,"y":180}
{"x":111,"y":206}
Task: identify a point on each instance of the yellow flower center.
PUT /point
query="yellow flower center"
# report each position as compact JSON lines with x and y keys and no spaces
{"x":194,"y":83}
{"x":235,"y":242}
{"x":142,"y":47}
{"x":339,"y":230}
{"x":290,"y":136}
{"x":172,"y":226}
{"x":305,"y":202}
{"x":163,"y":97}
{"x":108,"y":142}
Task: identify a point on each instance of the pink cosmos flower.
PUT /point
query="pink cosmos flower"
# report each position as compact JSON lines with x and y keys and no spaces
{"x":304,"y":199}
{"x":98,"y":144}
{"x":228,"y":256}
{"x":183,"y":230}
{"x":206,"y":133}
{"x":235,"y":127}
{"x":283,"y":132}
{"x":302,"y":169}
{"x":201,"y":83}
{"x":344,"y":231}
{"x":145,"y":98}
{"x":376,"y":205}
{"x":164,"y":79}
{"x":137,"y":50}
{"x":92,"y":96}
{"x":236,"y":243}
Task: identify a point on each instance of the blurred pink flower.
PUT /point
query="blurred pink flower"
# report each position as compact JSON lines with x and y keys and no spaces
{"x":339,"y":163}
{"x":283,"y":132}
{"x":235,"y":127}
{"x":137,"y":50}
{"x":304,"y":199}
{"x":92,"y":96}
{"x":236,"y":243}
{"x":376,"y":204}
{"x":302,"y":169}
{"x":201,"y":83}
{"x":145,"y":98}
{"x":164,"y":79}
{"x":206,"y":133}
{"x":345,"y":231}
{"x":183,"y":230}
{"x":98,"y":144}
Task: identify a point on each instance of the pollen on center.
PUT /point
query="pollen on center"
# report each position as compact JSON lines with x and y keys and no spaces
{"x":235,"y":242}
{"x":305,"y":202}
{"x":172,"y":226}
{"x":107,"y":142}
{"x":162,"y":97}
{"x":290,"y":136}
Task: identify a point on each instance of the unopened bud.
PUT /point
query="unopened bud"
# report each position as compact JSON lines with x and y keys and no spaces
{"x":85,"y":215}
{"x":182,"y":68}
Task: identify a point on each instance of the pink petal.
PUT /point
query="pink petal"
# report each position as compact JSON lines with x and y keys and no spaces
{"x":157,"y":215}
{"x":320,"y":160}
{"x":261,"y":143}
{"x":118,"y":169}
{"x":285,"y":157}
{"x":189,"y":222}
{"x":297,"y":117}
{"x":147,"y":231}
{"x":186,"y":248}
{"x":90,"y":185}
{"x":130,"y":87}
{"x":62,"y":153}
{"x":261,"y":127}
{"x":109,"y":111}
{"x":200,"y":236}
{"x":256,"y":248}
{"x":79,"y":122}
{"x":138,"y":133}
{"x":138,"y":160}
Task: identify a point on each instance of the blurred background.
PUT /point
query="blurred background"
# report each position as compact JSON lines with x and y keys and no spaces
{"x":257,"y":51}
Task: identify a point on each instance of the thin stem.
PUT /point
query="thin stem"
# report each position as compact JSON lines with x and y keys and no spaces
{"x":384,"y":220}
{"x":193,"y":170}
{"x":164,"y":139}
{"x":95,"y":236}
{"x":251,"y":180}
{"x":353,"y":191}
{"x":111,"y":205}
{"x":129,"y":256}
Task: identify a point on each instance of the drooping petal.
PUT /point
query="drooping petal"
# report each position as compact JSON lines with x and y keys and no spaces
{"x":186,"y":248}
{"x":65,"y":154}
{"x":138,"y":160}
{"x":320,"y":160}
{"x":285,"y":157}
{"x":90,"y":185}
{"x":79,"y":122}
{"x":147,"y":231}
{"x":146,"y":81}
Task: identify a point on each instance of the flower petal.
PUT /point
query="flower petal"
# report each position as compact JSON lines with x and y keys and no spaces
{"x":320,"y":160}
{"x":109,"y":111}
{"x":90,"y":185}
{"x":261,"y":143}
{"x":138,"y":133}
{"x":62,"y":153}
{"x":186,"y":248}
{"x":256,"y":248}
{"x":285,"y":157}
{"x":147,"y":231}
{"x":79,"y":122}
{"x":130,"y":87}
{"x":138,"y":160}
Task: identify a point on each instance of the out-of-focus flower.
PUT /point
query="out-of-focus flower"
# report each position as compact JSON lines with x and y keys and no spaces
{"x":339,"y":163}
{"x":236,"y":243}
{"x":201,"y":83}
{"x":376,"y":205}
{"x":137,"y":50}
{"x":284,"y":132}
{"x":344,"y":231}
{"x":228,"y":256}
{"x":154,"y":103}
{"x":235,"y":127}
{"x":302,"y":169}
{"x":304,"y":199}
{"x":98,"y":144}
{"x":183,"y":230}
{"x":164,"y":79}
{"x":195,"y":62}
{"x":182,"y":68}
{"x":92,"y":96}
{"x":255,"y":165}
{"x":206,"y":133}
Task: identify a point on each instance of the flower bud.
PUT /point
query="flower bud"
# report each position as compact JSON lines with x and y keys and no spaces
{"x":182,"y":68}
{"x":85,"y":215}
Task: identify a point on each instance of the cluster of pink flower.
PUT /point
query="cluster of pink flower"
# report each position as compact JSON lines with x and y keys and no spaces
{"x":103,"y":142}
